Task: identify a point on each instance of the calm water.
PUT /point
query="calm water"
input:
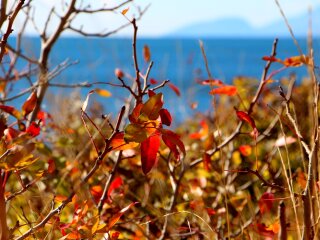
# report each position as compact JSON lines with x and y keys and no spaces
{"x":178,"y":60}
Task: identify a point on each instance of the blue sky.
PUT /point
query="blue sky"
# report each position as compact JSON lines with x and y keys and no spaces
{"x":164,"y":16}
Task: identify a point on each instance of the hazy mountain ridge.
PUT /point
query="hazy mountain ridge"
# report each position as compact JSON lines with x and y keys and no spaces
{"x":237,"y":27}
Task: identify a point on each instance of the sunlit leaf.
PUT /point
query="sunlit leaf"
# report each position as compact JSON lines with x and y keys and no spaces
{"x":211,"y":82}
{"x":96,"y":192}
{"x":134,"y":133}
{"x":118,"y":143}
{"x":124,"y":11}
{"x":245,"y":150}
{"x":297,"y":61}
{"x":174,"y":88}
{"x":149,"y":150}
{"x":85,"y":103}
{"x":266,"y":202}
{"x":165,"y":116}
{"x":146,"y":53}
{"x":282,"y":141}
{"x":224,"y":90}
{"x":152,"y":107}
{"x":103,"y":92}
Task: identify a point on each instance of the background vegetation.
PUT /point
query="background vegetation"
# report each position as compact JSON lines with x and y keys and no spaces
{"x":249,"y":170}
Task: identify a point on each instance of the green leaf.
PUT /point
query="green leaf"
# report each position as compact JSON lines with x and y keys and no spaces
{"x":134,"y":133}
{"x":152,"y":107}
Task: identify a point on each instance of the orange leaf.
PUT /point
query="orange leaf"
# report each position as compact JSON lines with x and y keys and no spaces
{"x":297,"y":61}
{"x":117,"y":216}
{"x":266,"y":202}
{"x":174,"y":88}
{"x":203,"y":131}
{"x":118,"y":143}
{"x":245,"y":150}
{"x":30,"y":103}
{"x":103,"y":92}
{"x":96,"y":191}
{"x":225,"y":90}
{"x":149,"y":150}
{"x":146,"y":53}
{"x":124,"y":11}
{"x":245,"y":117}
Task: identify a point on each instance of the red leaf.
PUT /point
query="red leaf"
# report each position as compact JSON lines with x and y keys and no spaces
{"x":43,"y":116}
{"x":116,"y":183}
{"x":52,"y":166}
{"x":11,"y":110}
{"x":11,"y":133}
{"x":30,"y":103}
{"x":225,"y":90}
{"x":297,"y":61}
{"x":211,"y":211}
{"x":271,"y":59}
{"x":33,"y":129}
{"x":165,"y":116}
{"x":207,"y":162}
{"x":245,"y":117}
{"x":211,"y":82}
{"x":151,"y":93}
{"x":153,"y":81}
{"x":174,"y":88}
{"x":133,"y":117}
{"x":266,"y":202}
{"x":172,"y":140}
{"x":149,"y":149}
{"x":245,"y":150}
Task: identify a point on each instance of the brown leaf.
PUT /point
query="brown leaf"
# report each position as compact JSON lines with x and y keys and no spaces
{"x":146,"y":53}
{"x":30,"y":103}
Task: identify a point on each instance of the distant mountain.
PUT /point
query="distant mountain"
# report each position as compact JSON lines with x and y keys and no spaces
{"x":237,"y":27}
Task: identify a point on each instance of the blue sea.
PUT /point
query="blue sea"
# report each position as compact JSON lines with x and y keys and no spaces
{"x":179,"y":60}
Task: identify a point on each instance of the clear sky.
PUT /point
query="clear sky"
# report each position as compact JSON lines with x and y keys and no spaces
{"x":164,"y":16}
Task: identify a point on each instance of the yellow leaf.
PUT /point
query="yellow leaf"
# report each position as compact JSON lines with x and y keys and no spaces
{"x":124,"y":11}
{"x":103,"y":92}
